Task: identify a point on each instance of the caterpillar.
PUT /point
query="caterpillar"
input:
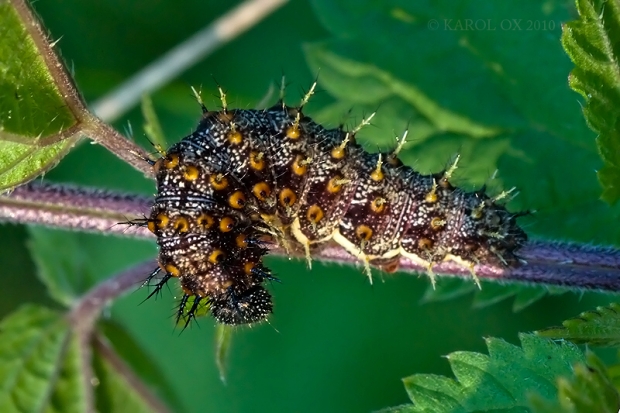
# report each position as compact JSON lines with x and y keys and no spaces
{"x":247,"y":177}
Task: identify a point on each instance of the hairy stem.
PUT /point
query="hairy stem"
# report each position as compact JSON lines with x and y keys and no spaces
{"x":119,"y":145}
{"x":68,"y":207}
{"x":105,"y":350}
{"x":74,"y":208}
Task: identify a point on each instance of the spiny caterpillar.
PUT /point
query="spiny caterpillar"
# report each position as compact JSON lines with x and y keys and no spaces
{"x":247,"y":177}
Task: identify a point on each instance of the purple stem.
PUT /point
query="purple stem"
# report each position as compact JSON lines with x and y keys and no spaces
{"x":551,"y":263}
{"x":75,"y":208}
{"x":85,"y":313}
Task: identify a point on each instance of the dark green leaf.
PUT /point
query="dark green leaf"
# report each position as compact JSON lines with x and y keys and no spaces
{"x":597,"y":328}
{"x":539,"y":141}
{"x":344,"y":73}
{"x":592,"y":44}
{"x":62,"y":264}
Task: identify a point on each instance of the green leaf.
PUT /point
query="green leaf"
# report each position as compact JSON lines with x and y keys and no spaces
{"x":39,"y":363}
{"x":37,"y":126}
{"x":600,"y":327}
{"x":500,"y":381}
{"x":592,"y":44}
{"x":62,"y":264}
{"x":588,"y":390}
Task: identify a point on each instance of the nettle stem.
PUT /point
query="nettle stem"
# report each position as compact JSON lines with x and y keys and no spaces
{"x":84,"y":209}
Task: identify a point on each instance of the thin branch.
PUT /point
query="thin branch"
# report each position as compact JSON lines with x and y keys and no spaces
{"x":74,"y":208}
{"x":570,"y":265}
{"x":183,"y":56}
{"x":119,"y":145}
{"x":86,"y":311}
{"x":87,"y":372}
{"x":105,"y":350}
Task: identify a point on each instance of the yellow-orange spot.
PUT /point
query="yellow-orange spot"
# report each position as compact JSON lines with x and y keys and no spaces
{"x":257,"y":161}
{"x":315,"y":214}
{"x":161,"y":220}
{"x":227,"y":224}
{"x":437,"y":223}
{"x":299,"y":167}
{"x":205,"y":221}
{"x":431,"y":197}
{"x":338,"y":152}
{"x":172,"y":270}
{"x":241,"y":241}
{"x":248,"y":266}
{"x":171,"y":161}
{"x":293,"y":132}
{"x":191,"y":173}
{"x":227,"y":284}
{"x":216,"y":256}
{"x":287,"y":197}
{"x":378,"y":205}
{"x":181,"y":224}
{"x":363,"y":232}
{"x":237,"y":200}
{"x":335,"y":184}
{"x":151,"y":226}
{"x":235,"y":137}
{"x":425,"y":244}
{"x":218,"y":182}
{"x":377,"y":175}
{"x":261,"y":191}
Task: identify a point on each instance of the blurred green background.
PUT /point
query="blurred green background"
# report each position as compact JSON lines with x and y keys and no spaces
{"x":334,"y":343}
